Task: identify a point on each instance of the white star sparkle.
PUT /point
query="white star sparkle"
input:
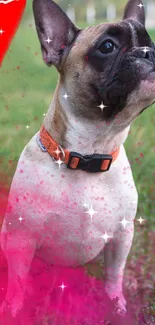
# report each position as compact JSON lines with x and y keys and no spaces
{"x":48,"y":40}
{"x":91,"y":212}
{"x":57,"y":152}
{"x":62,"y":286}
{"x":65,"y":96}
{"x":106,"y":237}
{"x":20,"y":219}
{"x":140,"y":5}
{"x":1,"y":31}
{"x":102,"y":106}
{"x":141,"y":220}
{"x":44,"y":114}
{"x":27,"y":126}
{"x":145,"y":50}
{"x":124,"y":222}
{"x":59,"y":162}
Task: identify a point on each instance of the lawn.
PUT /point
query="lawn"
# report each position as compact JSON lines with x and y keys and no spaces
{"x":26,"y":90}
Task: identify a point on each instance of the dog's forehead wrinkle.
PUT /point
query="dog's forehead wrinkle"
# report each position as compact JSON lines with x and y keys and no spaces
{"x":92,"y":34}
{"x":134,"y":36}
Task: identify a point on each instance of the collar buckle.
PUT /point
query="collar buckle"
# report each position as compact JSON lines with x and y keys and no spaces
{"x":90,"y":163}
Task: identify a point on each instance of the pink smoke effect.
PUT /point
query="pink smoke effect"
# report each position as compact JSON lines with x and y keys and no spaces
{"x":82,"y":301}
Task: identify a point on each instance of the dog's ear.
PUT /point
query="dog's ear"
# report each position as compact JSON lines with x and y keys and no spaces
{"x":135,"y":9}
{"x":55,"y":30}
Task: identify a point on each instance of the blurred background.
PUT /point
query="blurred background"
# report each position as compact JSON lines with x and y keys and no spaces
{"x":26,"y":90}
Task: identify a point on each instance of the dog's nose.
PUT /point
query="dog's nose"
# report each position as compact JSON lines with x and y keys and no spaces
{"x":147,"y":53}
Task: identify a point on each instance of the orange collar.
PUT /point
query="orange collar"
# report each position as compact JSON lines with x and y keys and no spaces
{"x":73,"y":160}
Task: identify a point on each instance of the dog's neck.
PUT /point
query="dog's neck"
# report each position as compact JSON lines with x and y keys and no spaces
{"x":79,"y":134}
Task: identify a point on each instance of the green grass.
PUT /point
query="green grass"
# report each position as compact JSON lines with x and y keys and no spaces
{"x":26,"y":90}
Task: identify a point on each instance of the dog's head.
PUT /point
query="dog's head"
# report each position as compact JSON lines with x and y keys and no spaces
{"x":111,"y":64}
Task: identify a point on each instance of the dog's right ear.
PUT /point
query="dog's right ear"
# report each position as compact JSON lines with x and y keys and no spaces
{"x":55,"y":30}
{"x":135,"y":9}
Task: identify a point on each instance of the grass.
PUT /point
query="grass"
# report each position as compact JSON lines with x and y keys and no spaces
{"x":26,"y":90}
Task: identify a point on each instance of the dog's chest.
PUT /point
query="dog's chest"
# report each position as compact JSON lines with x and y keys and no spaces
{"x":73,"y":212}
{"x":78,"y":212}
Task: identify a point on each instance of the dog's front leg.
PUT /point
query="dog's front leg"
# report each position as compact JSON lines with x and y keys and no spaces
{"x":18,"y":248}
{"x":115,"y":256}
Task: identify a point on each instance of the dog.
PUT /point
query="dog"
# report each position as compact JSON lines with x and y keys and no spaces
{"x":70,"y":201}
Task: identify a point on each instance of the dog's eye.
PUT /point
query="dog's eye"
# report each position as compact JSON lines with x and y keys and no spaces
{"x":107,"y":47}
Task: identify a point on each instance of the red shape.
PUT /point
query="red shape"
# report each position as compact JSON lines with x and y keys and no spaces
{"x":10,"y":16}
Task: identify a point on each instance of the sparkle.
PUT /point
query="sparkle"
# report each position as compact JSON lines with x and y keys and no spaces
{"x":91,"y":212}
{"x":27,"y":127}
{"x":102,"y":106}
{"x":44,"y":114}
{"x":124,"y":222}
{"x":62,"y":286}
{"x":59,"y":162}
{"x":57,"y":152}
{"x":9,"y":223}
{"x":141,"y":220}
{"x":145,"y":50}
{"x":65,"y":96}
{"x":140,"y":5}
{"x":1,"y":31}
{"x":20,"y":219}
{"x":48,"y":40}
{"x":106,"y":237}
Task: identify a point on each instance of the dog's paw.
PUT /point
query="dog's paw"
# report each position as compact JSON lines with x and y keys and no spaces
{"x":120,"y":308}
{"x":117,"y":295}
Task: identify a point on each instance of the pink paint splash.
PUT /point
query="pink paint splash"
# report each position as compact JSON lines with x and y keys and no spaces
{"x":81,"y":301}
{"x":60,"y":296}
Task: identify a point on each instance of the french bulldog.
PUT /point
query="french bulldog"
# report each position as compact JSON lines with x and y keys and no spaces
{"x":73,"y":199}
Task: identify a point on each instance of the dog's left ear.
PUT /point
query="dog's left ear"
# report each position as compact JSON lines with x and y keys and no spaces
{"x":135,"y":10}
{"x":55,"y":30}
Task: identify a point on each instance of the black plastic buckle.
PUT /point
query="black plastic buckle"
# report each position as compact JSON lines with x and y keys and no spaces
{"x":90,"y":163}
